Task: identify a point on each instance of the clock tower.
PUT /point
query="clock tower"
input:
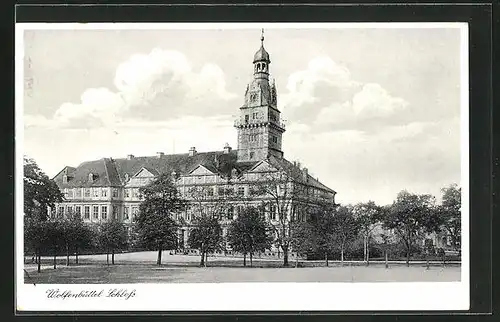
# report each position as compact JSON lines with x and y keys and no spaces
{"x":259,"y":125}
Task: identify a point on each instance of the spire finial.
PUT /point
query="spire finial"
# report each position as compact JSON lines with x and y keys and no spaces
{"x":262,"y":37}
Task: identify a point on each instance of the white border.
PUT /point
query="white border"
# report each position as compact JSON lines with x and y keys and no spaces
{"x":259,"y":296}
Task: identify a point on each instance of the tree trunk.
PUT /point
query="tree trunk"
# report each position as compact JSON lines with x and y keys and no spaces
{"x":202,"y":261}
{"x":206,"y":259}
{"x":408,"y":257}
{"x":444,"y":259}
{"x":245,"y":259}
{"x":113,"y":257}
{"x":427,"y":261}
{"x":364,"y":248}
{"x":342,"y":255}
{"x":76,"y":256}
{"x":251,"y":258}
{"x":285,"y":256}
{"x":297,"y":260}
{"x":67,"y":254}
{"x":158,"y":259}
{"x":37,"y":255}
{"x":367,"y":252}
{"x":107,"y":257}
{"x":326,"y":259}
{"x":386,"y":262}
{"x":55,"y":259}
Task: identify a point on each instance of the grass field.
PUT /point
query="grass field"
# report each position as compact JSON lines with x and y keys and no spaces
{"x":140,"y":268}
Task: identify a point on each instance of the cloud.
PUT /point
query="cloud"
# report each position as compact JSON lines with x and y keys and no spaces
{"x":325,"y":95}
{"x":158,"y":85}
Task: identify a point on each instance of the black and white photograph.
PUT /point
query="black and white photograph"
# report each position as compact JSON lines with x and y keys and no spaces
{"x":167,"y":163}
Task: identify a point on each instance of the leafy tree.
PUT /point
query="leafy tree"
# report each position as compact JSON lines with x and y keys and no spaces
{"x":368,"y":216}
{"x":40,"y":192}
{"x":75,"y":234}
{"x":345,"y":228}
{"x":54,"y":238}
{"x":450,"y":213}
{"x":112,"y":236}
{"x":411,"y":216}
{"x":249,"y":233}
{"x":206,"y":236}
{"x":35,"y":237}
{"x":156,"y":227}
{"x":317,"y":234}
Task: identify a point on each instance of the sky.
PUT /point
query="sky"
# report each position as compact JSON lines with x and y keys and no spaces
{"x":369,"y":111}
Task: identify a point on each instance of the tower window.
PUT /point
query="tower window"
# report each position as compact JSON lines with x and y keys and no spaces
{"x":247,"y":117}
{"x":251,"y":155}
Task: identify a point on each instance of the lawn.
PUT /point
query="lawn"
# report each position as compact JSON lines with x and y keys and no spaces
{"x":140,"y":268}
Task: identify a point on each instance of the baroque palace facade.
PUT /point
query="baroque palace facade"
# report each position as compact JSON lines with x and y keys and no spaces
{"x":108,"y":188}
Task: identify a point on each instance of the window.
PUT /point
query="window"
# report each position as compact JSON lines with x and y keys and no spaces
{"x":87,"y":193}
{"x":135,"y":193}
{"x":86,"y":213}
{"x":70,"y":210}
{"x":115,"y":193}
{"x":70,"y":193}
{"x":229,"y":191}
{"x":96,"y":193}
{"x":127,"y":193}
{"x":125,"y":212}
{"x":272,"y":211}
{"x":247,"y":118}
{"x":115,"y":212}
{"x":78,"y":210}
{"x":251,"y":155}
{"x":60,"y":212}
{"x":104,"y":212}
{"x":135,"y":211}
{"x":241,"y":191}
{"x":230,"y":212}
{"x":95,"y":212}
{"x":240,"y":209}
{"x":104,"y":192}
{"x":220,"y":191}
{"x":78,"y":192}
{"x":210,"y":191}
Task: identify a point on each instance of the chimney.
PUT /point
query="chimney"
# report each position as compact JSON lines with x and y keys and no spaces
{"x":130,"y":156}
{"x":227,"y":148}
{"x":305,"y":174}
{"x":160,"y":155}
{"x":192,"y":151}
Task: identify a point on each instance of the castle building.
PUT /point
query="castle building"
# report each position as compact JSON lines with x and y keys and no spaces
{"x":108,"y":188}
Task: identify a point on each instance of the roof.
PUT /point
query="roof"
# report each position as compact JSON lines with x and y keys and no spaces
{"x":112,"y":172}
{"x":261,"y":55}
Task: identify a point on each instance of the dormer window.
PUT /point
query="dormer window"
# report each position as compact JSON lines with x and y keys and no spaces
{"x":91,"y":177}
{"x":126,"y":177}
{"x":65,"y":178}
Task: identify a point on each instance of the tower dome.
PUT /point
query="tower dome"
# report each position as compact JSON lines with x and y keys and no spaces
{"x":261,"y":54}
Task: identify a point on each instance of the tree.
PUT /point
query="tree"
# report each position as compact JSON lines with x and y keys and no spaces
{"x":112,"y":236}
{"x":282,"y":194}
{"x":54,"y":238}
{"x":249,"y":233}
{"x":317,"y":234}
{"x":450,"y":213}
{"x":75,"y":234}
{"x":206,"y":236}
{"x":156,"y":227}
{"x":40,"y":192}
{"x":345,"y":228}
{"x":368,"y":216}
{"x":411,"y":216}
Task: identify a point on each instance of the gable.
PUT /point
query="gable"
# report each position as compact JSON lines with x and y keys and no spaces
{"x":263,"y":166}
{"x":144,"y":173}
{"x":201,"y":170}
